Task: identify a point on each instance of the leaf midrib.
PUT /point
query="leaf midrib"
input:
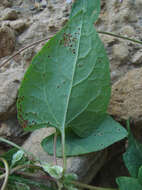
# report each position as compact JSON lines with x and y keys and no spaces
{"x":71,"y":85}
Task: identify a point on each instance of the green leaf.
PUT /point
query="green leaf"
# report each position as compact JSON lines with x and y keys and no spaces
{"x":11,"y":187}
{"x":17,"y":186}
{"x":140,"y":175}
{"x":106,"y":134}
{"x":90,"y":8}
{"x":68,"y":77}
{"x":8,"y":155}
{"x":71,"y":187}
{"x":13,"y":179}
{"x":128,"y":183}
{"x":17,"y":157}
{"x":22,"y":186}
{"x":68,"y":177}
{"x":133,"y":155}
{"x":54,"y":171}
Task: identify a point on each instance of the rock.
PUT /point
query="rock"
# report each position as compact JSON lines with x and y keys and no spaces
{"x":123,"y":19}
{"x":6,"y":3}
{"x":86,"y":166}
{"x":137,"y":58}
{"x":10,"y":129}
{"x":138,"y":4}
{"x":114,"y":75}
{"x":35,"y":32}
{"x":19,"y":25}
{"x":120,"y":52}
{"x":128,"y":31}
{"x":126,"y":99}
{"x":9,"y":14}
{"x":7,"y":41}
{"x":46,"y":23}
{"x":40,"y":4}
{"x":109,"y":40}
{"x":9,"y":84}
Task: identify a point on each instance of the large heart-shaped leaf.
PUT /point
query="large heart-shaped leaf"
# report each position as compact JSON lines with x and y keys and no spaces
{"x":68,"y":76}
{"x":107,"y":133}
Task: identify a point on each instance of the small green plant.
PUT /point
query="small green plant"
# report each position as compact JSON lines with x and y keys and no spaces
{"x":67,"y":86}
{"x":21,"y":165}
{"x":133,"y":161}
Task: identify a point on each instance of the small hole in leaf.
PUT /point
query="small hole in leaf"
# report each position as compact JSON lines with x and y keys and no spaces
{"x":100,"y":134}
{"x":118,"y":129}
{"x":80,"y":65}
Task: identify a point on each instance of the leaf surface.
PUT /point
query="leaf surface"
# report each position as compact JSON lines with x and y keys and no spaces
{"x":140,"y":175}
{"x":40,"y":185}
{"x":128,"y":183}
{"x":107,"y":133}
{"x":68,"y":77}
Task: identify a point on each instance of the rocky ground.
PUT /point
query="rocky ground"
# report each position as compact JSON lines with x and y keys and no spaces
{"x":22,"y":23}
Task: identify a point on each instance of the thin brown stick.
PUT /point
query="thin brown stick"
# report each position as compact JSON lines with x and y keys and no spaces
{"x":26,"y":47}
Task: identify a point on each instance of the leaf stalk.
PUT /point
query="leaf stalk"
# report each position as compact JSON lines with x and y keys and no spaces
{"x":63,"y":151}
{"x":55,"y":142}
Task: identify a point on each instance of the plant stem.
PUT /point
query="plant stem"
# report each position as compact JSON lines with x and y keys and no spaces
{"x":6,"y":173}
{"x":55,"y":142}
{"x":21,"y":50}
{"x":119,"y":36}
{"x":63,"y":150}
{"x":20,"y":167}
{"x":35,"y":176}
{"x":12,"y":144}
{"x":82,"y":185}
{"x":18,"y":147}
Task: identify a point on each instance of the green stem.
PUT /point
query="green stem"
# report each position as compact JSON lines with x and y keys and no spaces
{"x":6,"y":173}
{"x":55,"y":142}
{"x":119,"y":36}
{"x":18,"y":147}
{"x":63,"y":151}
{"x":82,"y":185}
